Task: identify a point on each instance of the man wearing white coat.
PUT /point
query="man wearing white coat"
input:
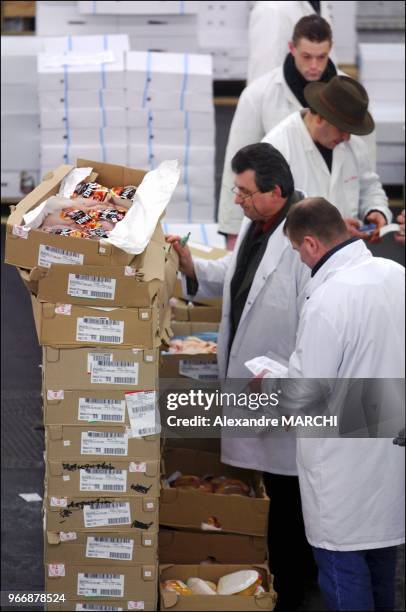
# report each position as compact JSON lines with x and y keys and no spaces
{"x":262,"y":283}
{"x":328,"y":158}
{"x":351,"y":326}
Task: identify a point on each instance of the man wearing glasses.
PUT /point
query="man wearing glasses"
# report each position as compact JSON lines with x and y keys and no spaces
{"x":262,"y":283}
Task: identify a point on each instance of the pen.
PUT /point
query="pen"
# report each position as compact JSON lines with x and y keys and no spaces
{"x":183,"y":241}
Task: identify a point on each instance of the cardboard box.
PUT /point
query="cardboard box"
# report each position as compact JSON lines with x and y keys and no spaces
{"x":101,"y":513}
{"x":69,"y":368}
{"x":113,"y":605}
{"x":71,"y":442}
{"x":170,"y":135}
{"x":57,"y":19}
{"x":109,"y":285}
{"x":97,"y":548}
{"x":70,"y":407}
{"x":108,"y":580}
{"x":190,"y":509}
{"x":186,"y":547}
{"x":193,"y":312}
{"x":173,"y":601}
{"x":67,"y":325}
{"x":92,"y":474}
{"x":199,"y":366}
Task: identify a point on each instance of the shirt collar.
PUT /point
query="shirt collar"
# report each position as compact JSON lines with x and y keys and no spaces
{"x":331,"y":252}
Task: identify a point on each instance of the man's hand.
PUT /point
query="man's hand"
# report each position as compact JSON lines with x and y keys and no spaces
{"x":185,"y":257}
{"x":400,"y":237}
{"x":352,"y":227}
{"x":380,"y":220}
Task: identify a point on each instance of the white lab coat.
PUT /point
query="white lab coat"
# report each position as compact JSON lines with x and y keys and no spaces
{"x":352,"y":326}
{"x":273,"y":305}
{"x":352,"y":186}
{"x":262,"y":106}
{"x":270,"y":29}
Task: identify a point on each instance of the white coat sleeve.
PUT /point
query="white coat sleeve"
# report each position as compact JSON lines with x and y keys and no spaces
{"x":371,"y":195}
{"x":246,"y":128}
{"x":210,"y":275}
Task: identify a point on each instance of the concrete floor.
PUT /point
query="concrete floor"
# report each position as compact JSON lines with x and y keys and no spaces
{"x":22,"y":438}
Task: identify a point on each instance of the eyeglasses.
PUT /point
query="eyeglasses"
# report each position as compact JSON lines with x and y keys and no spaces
{"x":241,"y":194}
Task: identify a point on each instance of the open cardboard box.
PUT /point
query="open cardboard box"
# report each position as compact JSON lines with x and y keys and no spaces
{"x":174,"y":601}
{"x":81,"y":548}
{"x":191,"y":508}
{"x":94,"y":513}
{"x":178,"y":293}
{"x":148,"y":605}
{"x":189,"y":366}
{"x":90,"y":475}
{"x":182,"y":310}
{"x":182,"y":547}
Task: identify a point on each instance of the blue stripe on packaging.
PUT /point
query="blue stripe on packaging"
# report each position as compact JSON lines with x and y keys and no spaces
{"x":165,"y":228}
{"x":181,"y":7}
{"x":185,"y":80}
{"x":204,"y":234}
{"x":94,"y":7}
{"x":186,"y":178}
{"x":102,"y":144}
{"x":186,"y":120}
{"x":103,"y":65}
{"x":150,"y":137}
{"x":102,"y":108}
{"x":147,"y":79}
{"x":66,"y":101}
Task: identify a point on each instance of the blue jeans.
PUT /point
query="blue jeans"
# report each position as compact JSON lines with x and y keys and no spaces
{"x":357,"y":580}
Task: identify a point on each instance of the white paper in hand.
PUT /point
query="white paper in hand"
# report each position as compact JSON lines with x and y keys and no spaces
{"x":152,"y":197}
{"x":273,"y":368}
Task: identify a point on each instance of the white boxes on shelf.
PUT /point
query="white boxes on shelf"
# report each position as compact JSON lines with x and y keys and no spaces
{"x":382,"y":72}
{"x":344,"y":26}
{"x":139,"y":8}
{"x":58,"y":19}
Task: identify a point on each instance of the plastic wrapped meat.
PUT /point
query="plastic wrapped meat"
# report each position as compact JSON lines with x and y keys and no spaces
{"x":205,"y":342}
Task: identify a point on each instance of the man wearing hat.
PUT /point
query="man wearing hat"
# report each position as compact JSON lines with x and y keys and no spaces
{"x":328,"y":159}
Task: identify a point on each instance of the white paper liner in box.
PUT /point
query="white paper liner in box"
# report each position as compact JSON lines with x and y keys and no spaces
{"x":133,"y":234}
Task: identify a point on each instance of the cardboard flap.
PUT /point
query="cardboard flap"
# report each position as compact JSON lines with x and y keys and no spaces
{"x":55,"y":432}
{"x":265,"y":601}
{"x":48,"y":310}
{"x":52,"y":354}
{"x":170,"y":599}
{"x":38,"y":273}
{"x":55,"y":469}
{"x":169,"y":496}
{"x":53,"y":538}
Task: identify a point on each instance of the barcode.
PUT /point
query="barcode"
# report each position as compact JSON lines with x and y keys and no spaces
{"x":117,"y":521}
{"x":61,"y":251}
{"x":130,"y":380}
{"x":107,"y":487}
{"x":113,"y":540}
{"x":112,"y":592}
{"x":206,"y":376}
{"x":114,"y":451}
{"x":146,"y":431}
{"x":91,"y":400}
{"x":102,"y":576}
{"x":101,"y":471}
{"x":122,"y":364}
{"x":109,"y":417}
{"x":100,"y":321}
{"x":115,"y":339}
{"x":105,"y":505}
{"x":101,"y":359}
{"x":114,"y":555}
{"x":98,"y":608}
{"x":107,"y":434}
{"x":140,"y":409}
{"x":95,"y":279}
{"x":101,"y":294}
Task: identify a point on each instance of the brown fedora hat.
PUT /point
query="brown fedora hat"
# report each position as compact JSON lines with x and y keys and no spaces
{"x":343,"y":102}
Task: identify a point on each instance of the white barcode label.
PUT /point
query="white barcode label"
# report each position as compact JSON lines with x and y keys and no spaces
{"x":88,"y":607}
{"x":115,"y":373}
{"x":103,"y":410}
{"x":101,"y":480}
{"x":135,"y":605}
{"x":98,"y":358}
{"x":55,"y":395}
{"x":143,"y":413}
{"x":104,"y":443}
{"x":99,"y":330}
{"x":68,"y":536}
{"x":118,"y":549}
{"x":56,"y":570}
{"x":198,"y":370}
{"x":106,"y":515}
{"x":58,"y":502}
{"x":140,"y":467}
{"x":93,"y":287}
{"x":48,"y":255}
{"x":100,"y":585}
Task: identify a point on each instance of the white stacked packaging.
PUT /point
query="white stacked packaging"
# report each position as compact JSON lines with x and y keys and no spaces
{"x":344,"y":27}
{"x":382,"y":72}
{"x":223,"y":32}
{"x":171,"y":116}
{"x":19,"y":115}
{"x":81,"y":99}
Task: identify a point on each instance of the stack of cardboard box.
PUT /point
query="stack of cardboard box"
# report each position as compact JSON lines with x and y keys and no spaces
{"x":100,"y":314}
